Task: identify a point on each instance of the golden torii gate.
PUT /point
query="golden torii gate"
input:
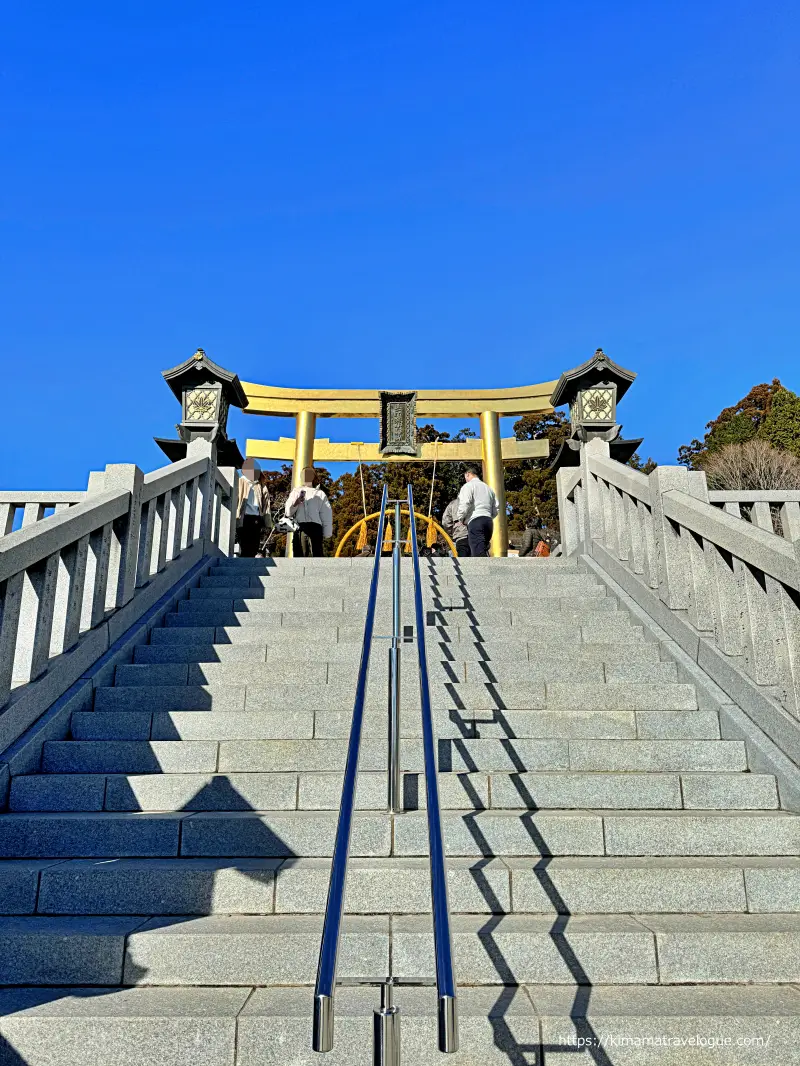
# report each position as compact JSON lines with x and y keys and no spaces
{"x":488,"y":405}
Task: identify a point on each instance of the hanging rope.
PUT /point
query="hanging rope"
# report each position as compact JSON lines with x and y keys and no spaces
{"x":361,"y":475}
{"x":387,"y":538}
{"x":431,"y":535}
{"x":362,"y":533}
{"x":433,"y":475}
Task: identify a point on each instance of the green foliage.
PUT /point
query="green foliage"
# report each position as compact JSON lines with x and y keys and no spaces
{"x":646,"y":467}
{"x":781,"y":427}
{"x":733,"y":425}
{"x":346,"y":490}
{"x":530,"y":484}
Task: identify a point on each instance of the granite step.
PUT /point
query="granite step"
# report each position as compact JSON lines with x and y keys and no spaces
{"x":603,"y":885}
{"x":339,"y":691}
{"x":281,"y":949}
{"x":518,"y":755}
{"x":604,"y":832}
{"x":583,"y":885}
{"x":287,"y":790}
{"x":103,"y":951}
{"x":596,"y":950}
{"x":320,"y":668}
{"x":269,"y":1026}
{"x":288,"y":724}
{"x":273,"y":834}
{"x":166,"y":834}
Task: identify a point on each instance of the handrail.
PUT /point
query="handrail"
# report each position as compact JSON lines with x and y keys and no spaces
{"x":334,"y":908}
{"x":443,"y":943}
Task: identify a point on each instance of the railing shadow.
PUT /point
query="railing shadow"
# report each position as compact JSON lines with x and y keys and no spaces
{"x":520,"y":1054}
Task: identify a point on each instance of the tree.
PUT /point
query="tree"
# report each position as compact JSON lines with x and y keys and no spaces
{"x":646,"y":468}
{"x":734,"y":425}
{"x":397,"y":476}
{"x":781,"y":427}
{"x":530,"y":483}
{"x":752,"y":465}
{"x":279,"y":485}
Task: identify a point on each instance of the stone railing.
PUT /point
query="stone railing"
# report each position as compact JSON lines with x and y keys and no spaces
{"x":736,"y":583}
{"x":34,"y":507}
{"x":777,"y":510}
{"x":66,"y":576}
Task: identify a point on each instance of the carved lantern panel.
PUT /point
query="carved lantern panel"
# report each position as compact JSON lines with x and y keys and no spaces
{"x":205,"y":405}
{"x":595,"y":406}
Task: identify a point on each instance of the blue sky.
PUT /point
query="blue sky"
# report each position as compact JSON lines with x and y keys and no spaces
{"x":396,"y":195}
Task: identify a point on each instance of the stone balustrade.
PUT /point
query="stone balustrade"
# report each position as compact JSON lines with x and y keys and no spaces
{"x":777,"y":510}
{"x":64,"y":575}
{"x":735,"y":582}
{"x":34,"y":506}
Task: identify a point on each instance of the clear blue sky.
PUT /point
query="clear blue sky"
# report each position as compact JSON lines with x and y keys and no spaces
{"x":406,"y":194}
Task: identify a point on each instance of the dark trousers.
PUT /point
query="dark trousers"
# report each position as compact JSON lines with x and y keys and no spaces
{"x":462,"y":547}
{"x":249,"y":535}
{"x":313,"y":530}
{"x":480,"y":533}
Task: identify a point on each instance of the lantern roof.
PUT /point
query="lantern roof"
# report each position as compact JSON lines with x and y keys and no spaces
{"x":199,"y":370}
{"x":594,"y":371}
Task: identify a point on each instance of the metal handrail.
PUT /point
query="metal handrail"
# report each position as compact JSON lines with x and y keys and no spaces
{"x":443,"y":942}
{"x":334,"y":908}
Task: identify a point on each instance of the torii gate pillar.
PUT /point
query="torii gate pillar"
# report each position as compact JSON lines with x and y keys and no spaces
{"x":305,"y":431}
{"x":492,"y":450}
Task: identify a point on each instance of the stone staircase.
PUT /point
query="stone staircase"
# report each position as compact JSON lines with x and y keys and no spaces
{"x":616,"y":873}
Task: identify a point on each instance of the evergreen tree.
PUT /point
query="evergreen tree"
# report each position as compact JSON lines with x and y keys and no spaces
{"x":349,"y":507}
{"x":530,"y":483}
{"x":734,"y":425}
{"x":646,"y":467}
{"x":781,"y":427}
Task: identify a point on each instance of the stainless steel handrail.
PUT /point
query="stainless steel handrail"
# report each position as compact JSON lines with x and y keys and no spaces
{"x":334,"y":909}
{"x":395,"y":791}
{"x":442,"y":936}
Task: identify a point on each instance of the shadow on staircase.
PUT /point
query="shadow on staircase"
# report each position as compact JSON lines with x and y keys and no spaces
{"x":520,"y":1054}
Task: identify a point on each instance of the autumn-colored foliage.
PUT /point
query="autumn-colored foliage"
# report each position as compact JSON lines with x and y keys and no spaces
{"x":733,"y":425}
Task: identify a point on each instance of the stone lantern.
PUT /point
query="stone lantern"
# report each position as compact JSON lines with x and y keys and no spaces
{"x":592,"y":391}
{"x":206,"y":393}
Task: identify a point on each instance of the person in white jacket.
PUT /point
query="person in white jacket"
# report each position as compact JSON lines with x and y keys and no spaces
{"x":477,"y":509}
{"x":311,"y":509}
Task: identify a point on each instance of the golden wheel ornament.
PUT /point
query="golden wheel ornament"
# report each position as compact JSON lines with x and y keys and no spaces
{"x":362,"y":524}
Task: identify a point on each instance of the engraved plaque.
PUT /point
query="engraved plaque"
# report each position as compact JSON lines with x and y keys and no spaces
{"x":398,"y":423}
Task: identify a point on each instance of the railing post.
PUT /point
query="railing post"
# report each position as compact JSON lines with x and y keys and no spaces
{"x":672,"y":562}
{"x":198,"y":449}
{"x":7,"y":512}
{"x":31,"y":514}
{"x":701,"y":612}
{"x":36,"y":620}
{"x":567,"y":512}
{"x":227,"y":523}
{"x":593,"y":501}
{"x":145,"y":552}
{"x":124,"y":554}
{"x":790,"y":521}
{"x":10,"y":605}
{"x":69,"y":596}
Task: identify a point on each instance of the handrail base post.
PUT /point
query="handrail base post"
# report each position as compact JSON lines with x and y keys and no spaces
{"x":386,"y":1030}
{"x":448,"y":1025}
{"x":323,"y":1023}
